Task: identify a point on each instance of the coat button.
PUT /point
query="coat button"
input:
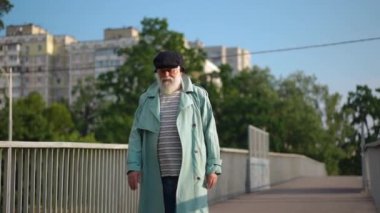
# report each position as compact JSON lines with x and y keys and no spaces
{"x":196,"y":151}
{"x":198,"y":178}
{"x":194,"y":125}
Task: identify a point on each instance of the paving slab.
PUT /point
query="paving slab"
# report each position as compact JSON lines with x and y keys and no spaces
{"x":339,"y":194}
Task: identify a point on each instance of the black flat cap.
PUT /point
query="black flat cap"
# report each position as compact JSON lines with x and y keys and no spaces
{"x":168,"y":59}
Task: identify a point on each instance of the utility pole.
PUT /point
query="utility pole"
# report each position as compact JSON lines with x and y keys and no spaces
{"x":10,"y":104}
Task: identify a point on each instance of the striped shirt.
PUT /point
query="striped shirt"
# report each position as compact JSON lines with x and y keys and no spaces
{"x":169,"y":145}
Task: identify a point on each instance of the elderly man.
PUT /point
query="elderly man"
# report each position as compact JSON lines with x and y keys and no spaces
{"x":173,"y":146}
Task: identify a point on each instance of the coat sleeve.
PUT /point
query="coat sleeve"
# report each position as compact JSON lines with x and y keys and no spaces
{"x":214,"y":163}
{"x":134,"y":159}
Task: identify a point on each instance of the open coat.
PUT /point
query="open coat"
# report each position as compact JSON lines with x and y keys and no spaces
{"x":200,"y":149}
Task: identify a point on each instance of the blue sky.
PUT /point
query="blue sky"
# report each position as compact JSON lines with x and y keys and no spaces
{"x":251,"y":24}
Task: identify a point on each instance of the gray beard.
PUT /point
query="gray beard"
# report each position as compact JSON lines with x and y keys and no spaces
{"x":167,"y":87}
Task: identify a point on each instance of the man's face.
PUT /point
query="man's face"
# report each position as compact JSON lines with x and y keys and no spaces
{"x":169,"y":79}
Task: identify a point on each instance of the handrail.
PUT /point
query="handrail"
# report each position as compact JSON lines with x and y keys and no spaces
{"x":33,"y":144}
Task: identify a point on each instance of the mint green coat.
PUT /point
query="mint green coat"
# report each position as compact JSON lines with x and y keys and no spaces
{"x":200,"y":149}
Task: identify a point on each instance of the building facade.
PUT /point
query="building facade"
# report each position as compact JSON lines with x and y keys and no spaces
{"x":238,"y":58}
{"x":92,"y":58}
{"x":32,"y":53}
{"x":52,"y":65}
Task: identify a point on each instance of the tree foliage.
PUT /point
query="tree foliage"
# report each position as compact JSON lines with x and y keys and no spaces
{"x":363,"y":111}
{"x":59,"y":120}
{"x":5,"y":7}
{"x":29,"y":123}
{"x":298,"y":112}
{"x":243,"y":100}
{"x":87,"y":105}
{"x":33,"y":120}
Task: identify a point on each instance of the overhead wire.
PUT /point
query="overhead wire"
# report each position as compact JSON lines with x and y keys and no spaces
{"x":302,"y":47}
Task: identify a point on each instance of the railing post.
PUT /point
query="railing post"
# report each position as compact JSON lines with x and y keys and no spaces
{"x":8,"y":181}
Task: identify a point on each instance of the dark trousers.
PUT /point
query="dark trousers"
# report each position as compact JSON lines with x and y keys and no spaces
{"x":169,"y":185}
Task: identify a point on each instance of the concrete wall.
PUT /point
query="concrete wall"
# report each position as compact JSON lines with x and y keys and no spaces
{"x":372,"y":171}
{"x":232,"y":182}
{"x":283,"y":167}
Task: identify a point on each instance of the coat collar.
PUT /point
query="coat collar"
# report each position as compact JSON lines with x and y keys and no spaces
{"x":186,"y":96}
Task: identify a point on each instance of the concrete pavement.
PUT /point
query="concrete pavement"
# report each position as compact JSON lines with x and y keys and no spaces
{"x":310,"y":195}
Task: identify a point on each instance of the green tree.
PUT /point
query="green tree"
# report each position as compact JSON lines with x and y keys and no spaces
{"x":34,"y":121}
{"x":313,"y":123}
{"x":59,"y":120}
{"x":87,"y":105}
{"x":5,"y":7}
{"x":301,"y":120}
{"x":29,"y":124}
{"x":125,"y":84}
{"x":338,"y":130}
{"x":244,"y":99}
{"x":363,"y":110}
{"x":4,"y":112}
{"x":300,"y":114}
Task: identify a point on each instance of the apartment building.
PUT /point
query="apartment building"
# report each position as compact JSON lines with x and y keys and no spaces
{"x":92,"y":58}
{"x":53,"y":64}
{"x":238,"y":58}
{"x":32,"y":53}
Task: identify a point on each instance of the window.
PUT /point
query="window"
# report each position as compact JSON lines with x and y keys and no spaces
{"x":12,"y":47}
{"x":41,"y":59}
{"x":17,"y":69}
{"x":26,"y":59}
{"x":12,"y":57}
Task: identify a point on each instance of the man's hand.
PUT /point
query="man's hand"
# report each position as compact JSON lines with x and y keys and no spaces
{"x":133,"y":180}
{"x":212,"y":179}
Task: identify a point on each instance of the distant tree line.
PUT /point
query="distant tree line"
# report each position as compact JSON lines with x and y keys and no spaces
{"x":300,"y":114}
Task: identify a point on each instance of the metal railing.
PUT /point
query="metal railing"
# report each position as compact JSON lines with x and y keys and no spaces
{"x":75,"y":177}
{"x":258,"y":143}
{"x":64,"y":177}
{"x":371,"y":175}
